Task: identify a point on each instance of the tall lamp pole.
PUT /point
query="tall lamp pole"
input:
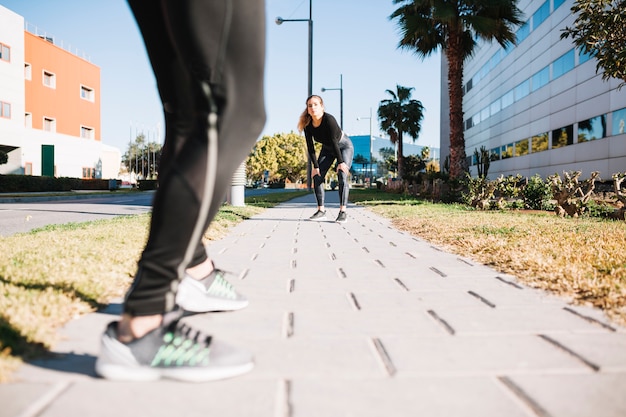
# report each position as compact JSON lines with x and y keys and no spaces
{"x":340,"y":98}
{"x":279,"y":21}
{"x":371,"y":139}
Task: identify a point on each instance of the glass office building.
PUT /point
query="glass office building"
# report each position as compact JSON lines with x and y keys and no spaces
{"x":539,"y":107}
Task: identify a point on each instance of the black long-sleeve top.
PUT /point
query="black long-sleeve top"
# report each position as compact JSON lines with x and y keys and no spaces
{"x":328,"y":133}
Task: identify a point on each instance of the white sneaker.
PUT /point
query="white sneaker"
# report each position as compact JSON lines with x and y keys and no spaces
{"x":212,"y":293}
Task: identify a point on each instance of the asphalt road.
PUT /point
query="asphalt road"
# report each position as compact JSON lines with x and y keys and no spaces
{"x":29,"y":214}
{"x":25,"y":216}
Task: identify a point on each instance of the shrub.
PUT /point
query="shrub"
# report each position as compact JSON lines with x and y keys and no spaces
{"x":536,"y":193}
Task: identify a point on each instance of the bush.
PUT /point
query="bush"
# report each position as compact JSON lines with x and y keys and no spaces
{"x":29,"y":183}
{"x":536,"y":193}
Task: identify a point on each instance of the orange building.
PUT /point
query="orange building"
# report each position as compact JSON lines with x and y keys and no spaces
{"x":62,"y":90}
{"x":50,"y":121}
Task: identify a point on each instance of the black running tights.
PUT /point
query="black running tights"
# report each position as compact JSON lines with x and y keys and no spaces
{"x":208,"y":58}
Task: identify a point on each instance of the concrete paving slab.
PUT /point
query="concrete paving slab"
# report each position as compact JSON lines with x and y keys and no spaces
{"x":573,"y":395}
{"x":356,"y":319}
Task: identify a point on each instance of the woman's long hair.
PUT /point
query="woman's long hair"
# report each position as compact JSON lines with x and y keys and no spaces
{"x":305,"y":117}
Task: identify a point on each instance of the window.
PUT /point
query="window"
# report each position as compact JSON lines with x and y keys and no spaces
{"x":558,"y":3}
{"x":5,"y":110}
{"x":28,"y":71}
{"x":541,"y":14}
{"x":508,"y":99}
{"x":28,"y":120}
{"x":540,"y":78}
{"x":522,"y":90}
{"x":494,"y":107}
{"x":494,"y":154}
{"x":619,"y":119}
{"x":591,"y":129}
{"x":562,"y":137}
{"x":86,"y":93}
{"x":521,"y":147}
{"x":49,"y":124}
{"x":563,"y":64}
{"x":86,"y":132}
{"x":89,"y":173}
{"x":523,"y":32}
{"x":49,"y":79}
{"x":540,"y":142}
{"x":484,"y":113}
{"x":583,"y":56}
{"x":506,"y":151}
{"x":5,"y":53}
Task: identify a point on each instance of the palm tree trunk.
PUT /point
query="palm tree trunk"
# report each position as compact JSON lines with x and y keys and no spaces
{"x":400,"y":158}
{"x":454,"y":54}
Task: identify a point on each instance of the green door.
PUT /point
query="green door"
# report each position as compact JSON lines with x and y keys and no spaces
{"x":47,"y":160}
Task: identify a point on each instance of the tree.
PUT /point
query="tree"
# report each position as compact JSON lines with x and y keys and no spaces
{"x":600,"y":31}
{"x":143,"y":157}
{"x":454,"y":26}
{"x":283,"y":155}
{"x":398,"y":115}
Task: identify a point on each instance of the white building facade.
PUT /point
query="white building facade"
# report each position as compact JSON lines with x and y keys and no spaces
{"x":24,"y":144}
{"x":539,"y":107}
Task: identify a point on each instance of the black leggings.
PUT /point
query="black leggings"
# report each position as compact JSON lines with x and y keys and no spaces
{"x":208,"y":58}
{"x":325,"y":160}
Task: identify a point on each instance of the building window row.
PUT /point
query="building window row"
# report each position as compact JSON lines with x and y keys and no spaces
{"x":587,"y":130}
{"x":5,"y":52}
{"x":5,"y":110}
{"x":559,"y":66}
{"x":540,"y":15}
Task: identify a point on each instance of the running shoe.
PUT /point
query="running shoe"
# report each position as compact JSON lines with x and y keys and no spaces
{"x":318,"y":216}
{"x":212,"y":293}
{"x":173,"y":351}
{"x":342,"y":217}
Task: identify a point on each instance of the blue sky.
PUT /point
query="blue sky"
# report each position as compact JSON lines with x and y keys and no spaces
{"x":353,"y":38}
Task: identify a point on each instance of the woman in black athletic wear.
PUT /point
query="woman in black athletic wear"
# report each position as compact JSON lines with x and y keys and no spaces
{"x":336,"y":145}
{"x":208,"y":58}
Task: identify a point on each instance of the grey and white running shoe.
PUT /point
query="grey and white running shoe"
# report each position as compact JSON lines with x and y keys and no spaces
{"x":174,"y":351}
{"x":212,"y":293}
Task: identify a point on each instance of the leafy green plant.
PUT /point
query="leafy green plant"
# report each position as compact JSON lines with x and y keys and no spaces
{"x":536,"y":193}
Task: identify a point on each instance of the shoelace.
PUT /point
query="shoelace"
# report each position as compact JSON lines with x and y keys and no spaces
{"x":222,"y":288}
{"x":183,"y":346}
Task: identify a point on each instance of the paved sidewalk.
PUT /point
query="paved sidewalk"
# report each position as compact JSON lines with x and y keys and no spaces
{"x":357,"y":319}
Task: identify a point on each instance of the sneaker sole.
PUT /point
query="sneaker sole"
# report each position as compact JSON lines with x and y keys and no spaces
{"x":319,"y":219}
{"x":115,"y":372}
{"x":208,"y":306}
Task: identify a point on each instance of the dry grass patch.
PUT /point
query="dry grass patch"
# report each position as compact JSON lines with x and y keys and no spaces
{"x":580,"y":258}
{"x":54,"y":274}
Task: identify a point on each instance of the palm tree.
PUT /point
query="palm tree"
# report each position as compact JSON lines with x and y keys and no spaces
{"x":398,"y":115}
{"x":454,"y":26}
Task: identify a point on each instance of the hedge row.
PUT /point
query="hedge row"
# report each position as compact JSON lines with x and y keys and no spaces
{"x":29,"y":183}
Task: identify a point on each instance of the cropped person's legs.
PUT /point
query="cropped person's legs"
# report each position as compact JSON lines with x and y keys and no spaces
{"x":347,"y":153}
{"x":220,"y":44}
{"x":208,"y":59}
{"x":325,"y":160}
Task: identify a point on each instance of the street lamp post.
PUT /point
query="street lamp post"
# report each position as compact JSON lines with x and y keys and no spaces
{"x":340,"y":98}
{"x":279,"y":21}
{"x":371,"y":139}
